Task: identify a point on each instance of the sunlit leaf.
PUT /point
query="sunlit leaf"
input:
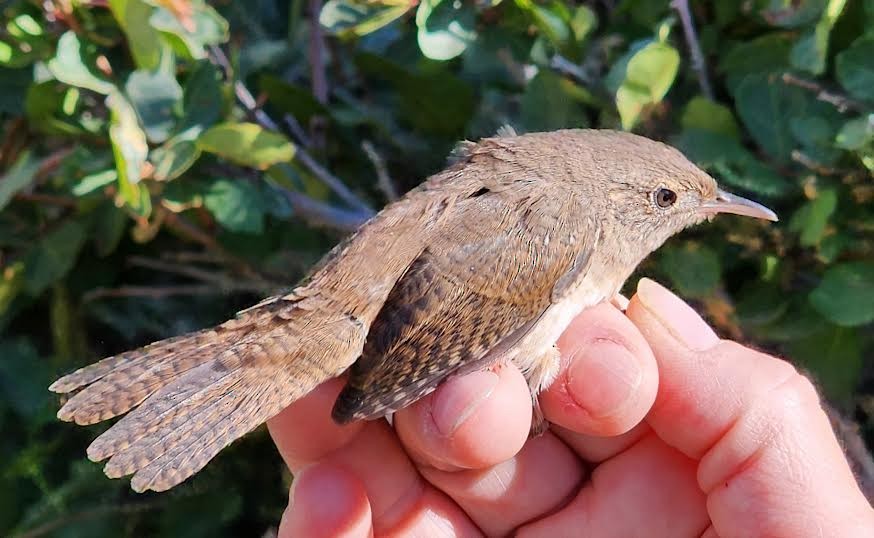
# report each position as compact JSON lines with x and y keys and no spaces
{"x":154,"y":95}
{"x":446,"y":28}
{"x":248,"y":144}
{"x":74,"y":64}
{"x":144,"y":40}
{"x":358,"y":18}
{"x":129,"y":147}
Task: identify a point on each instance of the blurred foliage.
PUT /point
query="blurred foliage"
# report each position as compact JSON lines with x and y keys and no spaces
{"x":159,"y":169}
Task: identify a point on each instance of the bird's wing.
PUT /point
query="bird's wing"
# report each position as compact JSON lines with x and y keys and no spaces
{"x":485,"y":278}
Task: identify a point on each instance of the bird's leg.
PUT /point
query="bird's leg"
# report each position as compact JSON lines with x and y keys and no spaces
{"x":540,"y":375}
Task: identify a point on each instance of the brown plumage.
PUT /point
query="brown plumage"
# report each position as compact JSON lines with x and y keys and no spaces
{"x":487,"y":261}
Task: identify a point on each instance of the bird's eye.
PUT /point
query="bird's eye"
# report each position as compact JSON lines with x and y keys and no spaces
{"x":665,"y":197}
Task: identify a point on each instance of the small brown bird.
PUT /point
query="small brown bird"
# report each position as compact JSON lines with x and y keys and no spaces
{"x":487,"y":261}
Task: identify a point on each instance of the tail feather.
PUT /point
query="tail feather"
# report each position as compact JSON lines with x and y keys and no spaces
{"x":94,"y":372}
{"x":128,"y":385}
{"x":194,"y":395}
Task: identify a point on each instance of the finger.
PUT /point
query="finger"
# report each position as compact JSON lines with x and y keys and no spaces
{"x":647,"y":490}
{"x":769,"y":461}
{"x":370,"y":452}
{"x":469,"y":422}
{"x":594,"y":448}
{"x":542,"y":477}
{"x":326,"y":501}
{"x":304,"y":432}
{"x":608,"y":378}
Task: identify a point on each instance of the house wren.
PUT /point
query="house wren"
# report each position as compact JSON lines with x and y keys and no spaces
{"x":487,"y":261}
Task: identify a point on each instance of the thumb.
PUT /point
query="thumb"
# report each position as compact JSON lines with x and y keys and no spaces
{"x":768,"y":460}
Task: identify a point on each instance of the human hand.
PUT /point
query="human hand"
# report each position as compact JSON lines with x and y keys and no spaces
{"x":659,"y":429}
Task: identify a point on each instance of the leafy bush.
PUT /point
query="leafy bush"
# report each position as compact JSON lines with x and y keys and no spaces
{"x":165,"y":163}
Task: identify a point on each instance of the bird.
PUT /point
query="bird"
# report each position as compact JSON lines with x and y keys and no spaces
{"x":484,"y":263}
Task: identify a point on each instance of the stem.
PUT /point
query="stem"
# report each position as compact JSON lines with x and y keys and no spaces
{"x":698,"y":63}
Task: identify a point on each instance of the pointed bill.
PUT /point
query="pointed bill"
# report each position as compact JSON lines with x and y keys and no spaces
{"x":726,"y":202}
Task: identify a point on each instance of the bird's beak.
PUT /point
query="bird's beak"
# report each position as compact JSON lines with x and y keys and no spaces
{"x":725,"y":202}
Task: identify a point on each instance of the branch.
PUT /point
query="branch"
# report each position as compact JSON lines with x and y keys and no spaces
{"x":248,"y":101}
{"x":221,"y":280}
{"x":321,"y":214}
{"x":180,"y":225}
{"x":841,"y":102}
{"x":699,"y":65}
{"x":383,"y":180}
{"x":152,"y":292}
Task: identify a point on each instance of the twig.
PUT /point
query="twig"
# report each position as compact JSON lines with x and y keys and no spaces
{"x":248,"y":101}
{"x":152,"y":292}
{"x":317,"y":46}
{"x":66,"y":520}
{"x":321,"y":214}
{"x":383,"y":179}
{"x":566,"y":67}
{"x":841,"y":102}
{"x":699,"y":65}
{"x":180,"y":225}
{"x":817,"y":167}
{"x":224,"y":281}
{"x":50,"y":199}
{"x":296,"y":130}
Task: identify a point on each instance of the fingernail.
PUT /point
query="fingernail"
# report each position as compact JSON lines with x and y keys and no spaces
{"x":456,"y":400}
{"x":684,"y":324}
{"x":605,"y":380}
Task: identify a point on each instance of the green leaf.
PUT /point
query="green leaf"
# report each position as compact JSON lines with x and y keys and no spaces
{"x":584,"y":22}
{"x":648,"y":76}
{"x":154,"y":95}
{"x":248,"y":144}
{"x":552,"y":19}
{"x":811,"y":219}
{"x":346,"y":18}
{"x":129,"y":147}
{"x":702,"y":113}
{"x":763,"y":55}
{"x":294,"y":100}
{"x":24,"y":377}
{"x":791,"y":14}
{"x":551,"y":102}
{"x":237,"y":205}
{"x":19,"y":176}
{"x":92,"y":182}
{"x":856,"y":133}
{"x":53,"y":257}
{"x":144,"y":41}
{"x":854,"y":68}
{"x":109,"y":226}
{"x":202,"y":100}
{"x":844,"y":295}
{"x":74,"y":65}
{"x":446,"y":28}
{"x":209,"y":28}
{"x":834,"y":355}
{"x":174,"y":158}
{"x":769,"y":108}
{"x":14,"y":84}
{"x":694,"y":269}
{"x":810,"y":52}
